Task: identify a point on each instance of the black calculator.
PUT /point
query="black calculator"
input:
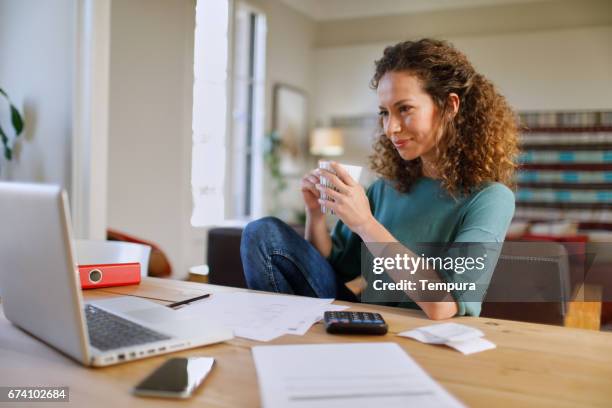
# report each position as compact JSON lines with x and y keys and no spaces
{"x":354,"y":323}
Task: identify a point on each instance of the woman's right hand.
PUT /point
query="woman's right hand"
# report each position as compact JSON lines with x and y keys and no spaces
{"x":311,"y":194}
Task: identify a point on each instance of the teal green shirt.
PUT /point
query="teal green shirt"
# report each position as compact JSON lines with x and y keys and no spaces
{"x":428,"y":214}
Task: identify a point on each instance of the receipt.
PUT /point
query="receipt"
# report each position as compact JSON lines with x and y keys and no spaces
{"x":465,"y":339}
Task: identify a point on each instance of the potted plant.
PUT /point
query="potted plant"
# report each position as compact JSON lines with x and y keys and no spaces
{"x":17,"y":123}
{"x":272,"y":148}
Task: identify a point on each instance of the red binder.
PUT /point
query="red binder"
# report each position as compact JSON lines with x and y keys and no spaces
{"x":105,"y":275}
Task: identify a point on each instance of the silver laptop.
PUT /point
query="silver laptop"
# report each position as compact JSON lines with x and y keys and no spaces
{"x":40,"y":290}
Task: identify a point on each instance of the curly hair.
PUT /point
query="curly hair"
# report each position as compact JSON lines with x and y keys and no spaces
{"x":478,"y":144}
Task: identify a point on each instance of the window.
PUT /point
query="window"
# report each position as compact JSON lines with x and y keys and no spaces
{"x":227,"y":172}
{"x":247,"y":123}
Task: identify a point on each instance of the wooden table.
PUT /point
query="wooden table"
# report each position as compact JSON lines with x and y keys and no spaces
{"x":533,"y":365}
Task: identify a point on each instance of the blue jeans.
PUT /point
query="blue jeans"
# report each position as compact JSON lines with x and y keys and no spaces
{"x":276,"y":259}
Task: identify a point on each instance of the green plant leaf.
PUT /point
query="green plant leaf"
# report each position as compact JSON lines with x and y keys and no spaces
{"x":17,"y":120}
{"x":272,"y":151}
{"x":3,"y":136}
{"x":8,"y":152}
{"x":3,"y":93}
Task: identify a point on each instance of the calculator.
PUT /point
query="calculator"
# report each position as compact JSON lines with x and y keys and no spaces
{"x":354,"y":323}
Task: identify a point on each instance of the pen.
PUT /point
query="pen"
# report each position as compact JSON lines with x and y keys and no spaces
{"x":186,"y":301}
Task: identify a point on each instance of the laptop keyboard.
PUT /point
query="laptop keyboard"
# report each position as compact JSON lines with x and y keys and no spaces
{"x":108,"y":331}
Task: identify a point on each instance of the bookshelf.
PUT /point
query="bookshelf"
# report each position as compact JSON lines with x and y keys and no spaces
{"x":566,"y":170}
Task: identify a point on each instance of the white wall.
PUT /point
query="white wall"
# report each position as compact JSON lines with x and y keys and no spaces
{"x":548,"y":70}
{"x":36,"y":70}
{"x":151,"y":75}
{"x":289,"y":46}
{"x":289,"y":60}
{"x":478,"y":20}
{"x":566,"y":69}
{"x":90,"y":122}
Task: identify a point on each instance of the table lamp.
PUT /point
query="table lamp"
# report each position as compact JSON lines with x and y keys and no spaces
{"x":326,"y":141}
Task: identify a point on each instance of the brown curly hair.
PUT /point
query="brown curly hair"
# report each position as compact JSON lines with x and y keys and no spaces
{"x":479,"y":144}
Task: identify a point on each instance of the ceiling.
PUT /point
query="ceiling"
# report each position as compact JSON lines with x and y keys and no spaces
{"x":321,"y":10}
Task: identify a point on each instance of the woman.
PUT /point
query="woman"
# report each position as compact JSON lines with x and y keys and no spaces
{"x":446,"y":155}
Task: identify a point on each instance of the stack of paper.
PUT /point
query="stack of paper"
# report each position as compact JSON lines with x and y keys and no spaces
{"x":466,"y":339}
{"x":355,"y":375}
{"x":260,"y":317}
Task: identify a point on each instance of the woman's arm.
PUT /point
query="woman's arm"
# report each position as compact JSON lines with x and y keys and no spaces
{"x":372,"y":232}
{"x":316,"y":230}
{"x":317,"y":234}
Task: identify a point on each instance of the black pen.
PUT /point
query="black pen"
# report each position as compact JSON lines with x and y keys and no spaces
{"x":186,"y":301}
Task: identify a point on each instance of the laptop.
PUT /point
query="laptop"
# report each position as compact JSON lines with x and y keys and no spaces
{"x":40,"y":290}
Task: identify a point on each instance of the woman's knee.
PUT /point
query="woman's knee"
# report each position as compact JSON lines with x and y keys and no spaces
{"x":263,"y":229}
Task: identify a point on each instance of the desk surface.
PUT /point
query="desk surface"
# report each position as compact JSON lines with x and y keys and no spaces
{"x":533,"y":364}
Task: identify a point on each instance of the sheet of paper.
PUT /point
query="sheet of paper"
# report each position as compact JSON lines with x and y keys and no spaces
{"x":472,"y":346}
{"x":256,"y":316}
{"x":465,"y":339}
{"x":312,"y":317}
{"x":355,"y":375}
{"x":452,"y":331}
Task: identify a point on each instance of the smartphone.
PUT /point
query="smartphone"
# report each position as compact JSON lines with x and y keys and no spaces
{"x":176,"y":378}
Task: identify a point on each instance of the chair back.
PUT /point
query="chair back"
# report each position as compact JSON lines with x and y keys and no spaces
{"x":531,"y":283}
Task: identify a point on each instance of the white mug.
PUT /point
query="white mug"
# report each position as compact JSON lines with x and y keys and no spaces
{"x":353,"y":171}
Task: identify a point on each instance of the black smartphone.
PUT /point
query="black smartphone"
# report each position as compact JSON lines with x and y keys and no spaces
{"x":176,"y":378}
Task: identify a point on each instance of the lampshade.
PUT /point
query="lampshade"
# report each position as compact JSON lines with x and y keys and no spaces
{"x":326,"y":142}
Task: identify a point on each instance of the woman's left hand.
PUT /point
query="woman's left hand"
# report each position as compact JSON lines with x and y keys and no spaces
{"x":350,"y":202}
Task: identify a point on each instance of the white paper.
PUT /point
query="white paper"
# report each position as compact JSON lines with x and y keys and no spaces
{"x":472,"y":346}
{"x":465,"y":339}
{"x":312,"y":317}
{"x":355,"y":375}
{"x":256,"y":316}
{"x":452,"y":331}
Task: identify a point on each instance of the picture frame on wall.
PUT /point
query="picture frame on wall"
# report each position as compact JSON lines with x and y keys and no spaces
{"x":290,"y":121}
